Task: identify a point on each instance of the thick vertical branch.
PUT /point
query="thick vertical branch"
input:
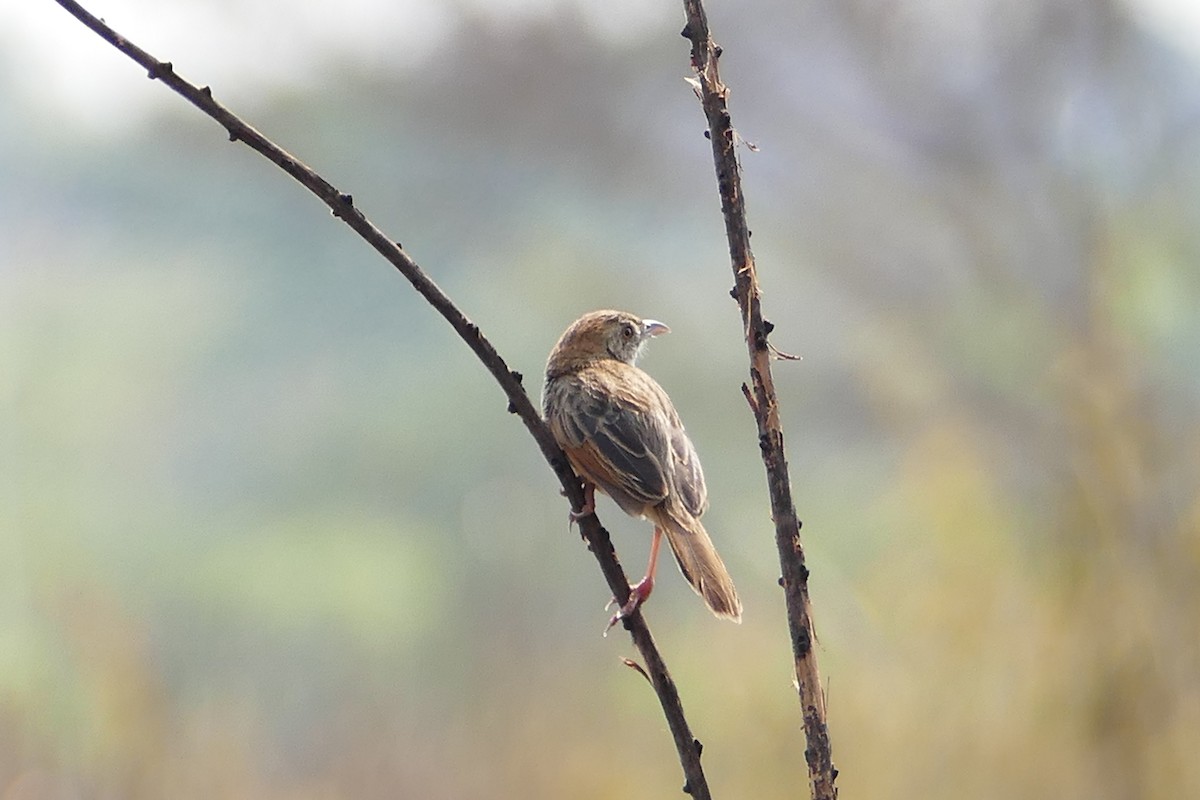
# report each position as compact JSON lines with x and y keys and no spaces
{"x":713,"y":94}
{"x":342,"y":206}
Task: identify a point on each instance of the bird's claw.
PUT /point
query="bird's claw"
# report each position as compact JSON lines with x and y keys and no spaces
{"x":574,"y":516}
{"x":637,"y":595}
{"x":588,"y":508}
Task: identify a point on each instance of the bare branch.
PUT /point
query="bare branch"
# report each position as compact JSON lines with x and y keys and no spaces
{"x":342,"y":206}
{"x":763,"y":401}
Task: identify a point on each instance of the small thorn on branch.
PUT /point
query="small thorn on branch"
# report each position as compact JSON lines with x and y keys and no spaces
{"x":782,"y":356}
{"x":750,"y":398}
{"x":638,"y":668}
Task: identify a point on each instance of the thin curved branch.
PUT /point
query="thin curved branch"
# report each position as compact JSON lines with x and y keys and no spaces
{"x":342,"y":206}
{"x":763,"y":401}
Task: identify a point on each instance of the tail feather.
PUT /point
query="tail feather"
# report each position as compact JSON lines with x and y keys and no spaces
{"x":702,"y":566}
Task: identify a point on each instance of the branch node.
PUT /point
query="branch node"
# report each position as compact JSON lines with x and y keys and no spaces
{"x":760,"y":340}
{"x":346,"y":208}
{"x":159,"y":69}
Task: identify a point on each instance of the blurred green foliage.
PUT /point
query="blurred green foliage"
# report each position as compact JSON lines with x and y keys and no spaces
{"x":267,"y":531}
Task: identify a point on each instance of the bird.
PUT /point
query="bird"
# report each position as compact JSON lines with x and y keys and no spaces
{"x":623,"y":436}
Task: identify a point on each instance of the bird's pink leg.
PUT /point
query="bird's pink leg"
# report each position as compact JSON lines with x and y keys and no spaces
{"x":589,"y":503}
{"x":640,"y":592}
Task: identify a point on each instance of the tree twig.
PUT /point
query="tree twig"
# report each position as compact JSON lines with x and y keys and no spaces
{"x":342,"y":206}
{"x":713,"y":93}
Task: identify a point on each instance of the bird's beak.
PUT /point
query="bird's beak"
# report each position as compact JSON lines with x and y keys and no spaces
{"x":652,"y":327}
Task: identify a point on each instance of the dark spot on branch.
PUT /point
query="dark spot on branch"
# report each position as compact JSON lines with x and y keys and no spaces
{"x":760,"y":340}
{"x":802,"y":644}
{"x":160,"y":69}
{"x":512,"y":407}
{"x":687,"y":788}
{"x":347,"y":199}
{"x":206,"y":91}
{"x":764,"y":443}
{"x":717,"y":50}
{"x":233,"y":135}
{"x":804,"y":573}
{"x":518,"y":377}
{"x":781,"y":580}
{"x":699,"y":747}
{"x":398,"y":245}
{"x":687,"y":31}
{"x":707,"y":133}
{"x":733,"y":292}
{"x":768,"y":326}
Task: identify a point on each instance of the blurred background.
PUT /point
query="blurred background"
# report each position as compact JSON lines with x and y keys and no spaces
{"x":267,"y":531}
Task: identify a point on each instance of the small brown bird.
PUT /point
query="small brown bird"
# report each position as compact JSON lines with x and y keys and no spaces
{"x":623,"y":436}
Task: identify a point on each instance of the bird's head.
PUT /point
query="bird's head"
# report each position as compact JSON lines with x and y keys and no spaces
{"x":602,"y":334}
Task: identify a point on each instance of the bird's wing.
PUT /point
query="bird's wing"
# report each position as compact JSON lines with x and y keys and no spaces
{"x":619,"y":446}
{"x":689,"y":477}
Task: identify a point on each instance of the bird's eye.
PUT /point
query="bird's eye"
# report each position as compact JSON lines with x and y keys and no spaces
{"x":627,"y":331}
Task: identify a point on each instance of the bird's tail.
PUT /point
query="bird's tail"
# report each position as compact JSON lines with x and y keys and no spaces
{"x":698,"y":561}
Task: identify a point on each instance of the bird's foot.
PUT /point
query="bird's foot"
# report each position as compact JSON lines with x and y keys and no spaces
{"x":589,"y":505}
{"x":638,"y":594}
{"x":574,"y":516}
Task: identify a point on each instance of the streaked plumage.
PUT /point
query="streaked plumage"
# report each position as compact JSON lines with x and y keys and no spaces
{"x":621,"y":433}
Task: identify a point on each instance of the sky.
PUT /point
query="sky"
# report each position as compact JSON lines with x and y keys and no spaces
{"x":246,"y":47}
